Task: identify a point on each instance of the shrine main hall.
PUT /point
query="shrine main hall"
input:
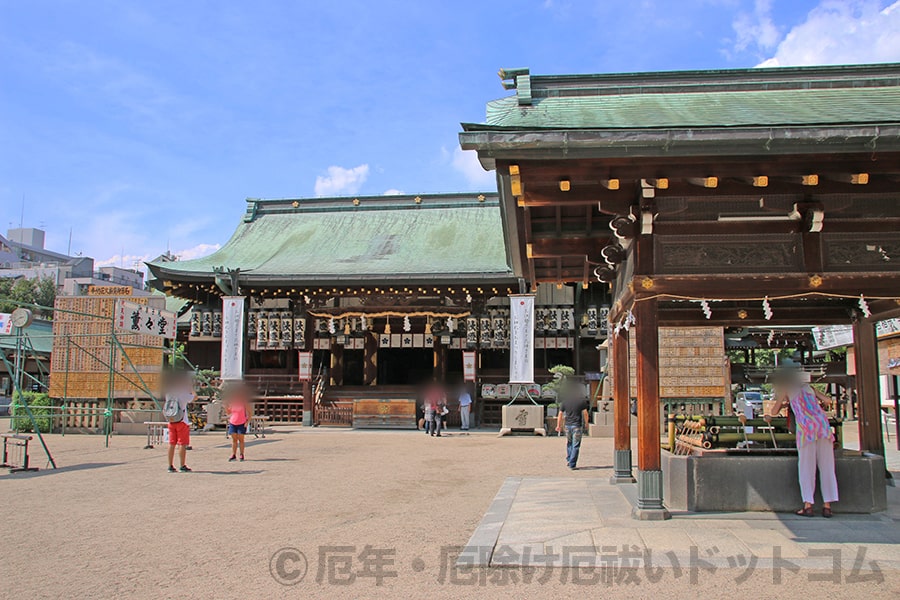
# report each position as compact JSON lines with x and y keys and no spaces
{"x":629,"y":204}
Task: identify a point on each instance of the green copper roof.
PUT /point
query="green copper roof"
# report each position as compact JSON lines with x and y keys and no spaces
{"x":803,"y":96}
{"x":40,"y":337}
{"x":702,"y":109}
{"x":378,"y":238}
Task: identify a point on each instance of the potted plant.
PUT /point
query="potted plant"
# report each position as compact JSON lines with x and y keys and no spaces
{"x":560,"y":374}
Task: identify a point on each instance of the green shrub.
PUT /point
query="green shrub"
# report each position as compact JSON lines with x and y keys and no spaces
{"x":40,"y":406}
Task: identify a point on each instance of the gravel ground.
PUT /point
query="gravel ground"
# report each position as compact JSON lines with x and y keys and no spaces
{"x":112,"y":523}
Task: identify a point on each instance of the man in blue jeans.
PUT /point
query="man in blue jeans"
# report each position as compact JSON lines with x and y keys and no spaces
{"x":573,"y":411}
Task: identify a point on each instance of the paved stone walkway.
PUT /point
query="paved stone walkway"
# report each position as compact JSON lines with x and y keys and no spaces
{"x":587,"y":522}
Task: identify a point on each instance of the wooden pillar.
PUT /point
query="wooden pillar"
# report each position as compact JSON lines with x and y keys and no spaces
{"x":440,"y":361}
{"x":649,"y":475}
{"x":337,"y":364}
{"x":309,"y":417}
{"x":370,"y":359}
{"x":621,"y":409}
{"x":867,"y":386}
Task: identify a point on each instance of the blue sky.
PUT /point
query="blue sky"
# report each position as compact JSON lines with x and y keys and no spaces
{"x":144,"y":125}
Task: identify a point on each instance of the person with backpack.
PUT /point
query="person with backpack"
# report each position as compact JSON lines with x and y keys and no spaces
{"x":237,"y":406}
{"x":179,"y":392}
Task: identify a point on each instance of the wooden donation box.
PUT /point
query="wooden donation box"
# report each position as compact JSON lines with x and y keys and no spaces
{"x":384,"y":413}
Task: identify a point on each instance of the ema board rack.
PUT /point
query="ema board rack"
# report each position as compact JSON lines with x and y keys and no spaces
{"x":82,"y":340}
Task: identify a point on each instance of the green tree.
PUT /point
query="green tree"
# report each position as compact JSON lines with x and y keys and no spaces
{"x":6,"y":285}
{"x":15,"y":292}
{"x":40,"y":405}
{"x":45,"y":293}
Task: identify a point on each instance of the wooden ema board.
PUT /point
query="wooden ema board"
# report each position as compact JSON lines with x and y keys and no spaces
{"x":81,"y":348}
{"x":384,"y":413}
{"x":889,"y":356}
{"x":691,"y":362}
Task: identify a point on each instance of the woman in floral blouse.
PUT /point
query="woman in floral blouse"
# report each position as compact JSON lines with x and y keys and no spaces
{"x":815,"y":441}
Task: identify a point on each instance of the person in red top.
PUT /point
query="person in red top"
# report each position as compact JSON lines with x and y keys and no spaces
{"x":236,"y":398}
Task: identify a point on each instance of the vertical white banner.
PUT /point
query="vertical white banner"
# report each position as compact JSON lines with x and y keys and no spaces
{"x":468,"y":365}
{"x":232,"y":338}
{"x":305,"y":362}
{"x":521,"y":338}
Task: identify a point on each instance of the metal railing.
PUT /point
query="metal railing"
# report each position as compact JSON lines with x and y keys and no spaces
{"x":15,"y":452}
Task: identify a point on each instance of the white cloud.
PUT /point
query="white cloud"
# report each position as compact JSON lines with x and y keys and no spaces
{"x":341,"y":181}
{"x":466,"y":162}
{"x":198,"y":251}
{"x":136,"y":261}
{"x":842,"y":32}
{"x":393,"y":192}
{"x":756,"y":29}
{"x":127,"y":261}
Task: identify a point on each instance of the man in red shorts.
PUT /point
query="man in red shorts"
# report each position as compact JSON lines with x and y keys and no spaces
{"x":181,"y":390}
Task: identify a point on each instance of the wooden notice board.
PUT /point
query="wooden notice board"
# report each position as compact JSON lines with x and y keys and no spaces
{"x":691,"y":363}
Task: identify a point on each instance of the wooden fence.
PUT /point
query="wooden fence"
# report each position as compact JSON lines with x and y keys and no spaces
{"x":334,"y":414}
{"x":279,"y":410}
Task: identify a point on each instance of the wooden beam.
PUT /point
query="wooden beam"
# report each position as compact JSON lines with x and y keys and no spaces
{"x":831,"y":225}
{"x":692,"y":316}
{"x":885,"y":309}
{"x":835,"y":224}
{"x":808,"y":179}
{"x":629,"y":168}
{"x":617,"y":201}
{"x":557,"y":274}
{"x":704,"y":182}
{"x":730,"y":228}
{"x":738,"y":286}
{"x":515,"y":181}
{"x":610,"y":184}
{"x":759,"y":181}
{"x":851,"y":178}
{"x":553,"y":247}
{"x":536,"y":196}
{"x":867,"y":386}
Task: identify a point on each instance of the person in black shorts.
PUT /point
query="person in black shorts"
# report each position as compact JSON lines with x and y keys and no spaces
{"x":236,"y":398}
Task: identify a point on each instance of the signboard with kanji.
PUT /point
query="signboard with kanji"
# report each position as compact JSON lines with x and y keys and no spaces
{"x":138,"y":318}
{"x":837,"y":336}
{"x":6,"y":326}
